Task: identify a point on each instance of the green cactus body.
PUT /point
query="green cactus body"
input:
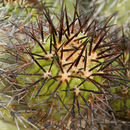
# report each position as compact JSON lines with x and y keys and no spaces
{"x":66,"y":94}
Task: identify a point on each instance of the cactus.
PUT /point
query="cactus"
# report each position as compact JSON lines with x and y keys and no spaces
{"x":62,"y":69}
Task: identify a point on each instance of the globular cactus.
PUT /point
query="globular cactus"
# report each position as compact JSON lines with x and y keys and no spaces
{"x":62,"y":71}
